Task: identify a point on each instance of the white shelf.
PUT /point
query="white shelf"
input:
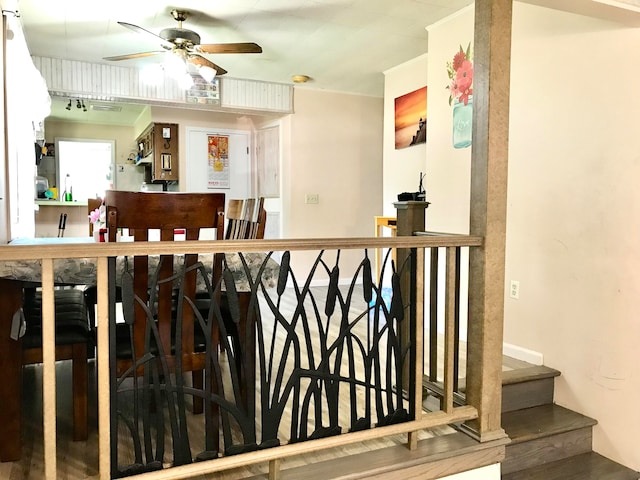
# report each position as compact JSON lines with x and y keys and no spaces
{"x":58,"y":203}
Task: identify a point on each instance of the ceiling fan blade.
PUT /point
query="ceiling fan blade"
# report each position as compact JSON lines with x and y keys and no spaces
{"x":203,"y":62}
{"x":150,"y":35}
{"x":133,"y":55}
{"x":248,"y":47}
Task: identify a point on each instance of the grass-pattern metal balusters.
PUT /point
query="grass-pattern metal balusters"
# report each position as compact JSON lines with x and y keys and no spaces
{"x":304,"y":376}
{"x":273,"y":399}
{"x":324,"y":375}
{"x":228,"y":409}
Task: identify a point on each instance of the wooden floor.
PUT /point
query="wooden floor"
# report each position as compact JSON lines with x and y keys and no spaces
{"x":78,"y":460}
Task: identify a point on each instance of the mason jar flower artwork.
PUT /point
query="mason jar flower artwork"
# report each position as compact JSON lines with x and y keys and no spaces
{"x":460,"y":72}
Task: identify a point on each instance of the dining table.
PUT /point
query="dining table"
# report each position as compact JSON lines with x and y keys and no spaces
{"x":16,"y":274}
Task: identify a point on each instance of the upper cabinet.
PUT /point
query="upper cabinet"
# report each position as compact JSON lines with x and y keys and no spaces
{"x":158,"y":147}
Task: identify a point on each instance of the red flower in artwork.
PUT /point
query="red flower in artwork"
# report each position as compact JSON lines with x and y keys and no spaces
{"x":458,"y":58}
{"x":460,"y":72}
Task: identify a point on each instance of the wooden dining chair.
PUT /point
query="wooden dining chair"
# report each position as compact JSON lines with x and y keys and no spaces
{"x":246,"y":219}
{"x":73,"y":341}
{"x":153,"y":294}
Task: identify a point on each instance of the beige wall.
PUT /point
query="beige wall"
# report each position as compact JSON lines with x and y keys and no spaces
{"x":332,"y":146}
{"x":448,"y":169}
{"x":574,"y":215}
{"x":573,"y":205}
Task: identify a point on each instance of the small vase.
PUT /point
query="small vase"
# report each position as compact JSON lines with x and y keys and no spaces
{"x":462,"y":123}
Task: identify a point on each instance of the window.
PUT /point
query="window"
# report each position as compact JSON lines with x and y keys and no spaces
{"x":90,"y":165}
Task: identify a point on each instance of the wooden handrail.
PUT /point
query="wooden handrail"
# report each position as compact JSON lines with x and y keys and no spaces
{"x":101,"y":251}
{"x":95,"y":250}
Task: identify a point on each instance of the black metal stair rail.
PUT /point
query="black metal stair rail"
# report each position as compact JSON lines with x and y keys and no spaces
{"x":305,"y":364}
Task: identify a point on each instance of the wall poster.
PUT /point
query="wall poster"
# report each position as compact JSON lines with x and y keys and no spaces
{"x":411,"y":118}
{"x":218,"y":161}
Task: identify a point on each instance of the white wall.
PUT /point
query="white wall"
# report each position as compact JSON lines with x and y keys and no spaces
{"x":573,"y":205}
{"x":401,"y":168}
{"x":490,"y":472}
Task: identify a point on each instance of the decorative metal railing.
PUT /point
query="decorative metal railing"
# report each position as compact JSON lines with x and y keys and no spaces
{"x":329,"y":355}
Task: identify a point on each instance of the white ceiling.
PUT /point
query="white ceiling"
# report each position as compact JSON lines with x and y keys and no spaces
{"x":343,"y":45}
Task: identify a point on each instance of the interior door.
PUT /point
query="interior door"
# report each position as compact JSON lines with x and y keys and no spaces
{"x":238,"y":177}
{"x":268,"y":160}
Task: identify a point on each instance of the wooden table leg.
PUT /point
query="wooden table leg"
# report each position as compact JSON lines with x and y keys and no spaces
{"x":11,"y":374}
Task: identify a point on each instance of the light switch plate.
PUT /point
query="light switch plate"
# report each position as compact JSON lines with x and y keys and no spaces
{"x":312,"y":198}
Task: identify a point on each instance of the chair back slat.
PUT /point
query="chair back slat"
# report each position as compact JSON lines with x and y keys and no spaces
{"x":246,"y":219}
{"x":234,"y":219}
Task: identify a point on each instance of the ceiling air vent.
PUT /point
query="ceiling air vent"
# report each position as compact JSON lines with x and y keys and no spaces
{"x":105,"y":107}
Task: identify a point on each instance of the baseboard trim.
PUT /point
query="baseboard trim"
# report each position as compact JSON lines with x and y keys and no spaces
{"x":524,"y":354}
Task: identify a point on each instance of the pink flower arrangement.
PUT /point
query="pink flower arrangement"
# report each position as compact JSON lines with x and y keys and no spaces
{"x":98,"y":217}
{"x":460,"y":72}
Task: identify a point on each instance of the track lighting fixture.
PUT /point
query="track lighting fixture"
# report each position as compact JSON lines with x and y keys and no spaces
{"x":79,"y":105}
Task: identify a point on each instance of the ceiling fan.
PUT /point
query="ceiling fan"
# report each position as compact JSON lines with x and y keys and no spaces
{"x":185,"y":45}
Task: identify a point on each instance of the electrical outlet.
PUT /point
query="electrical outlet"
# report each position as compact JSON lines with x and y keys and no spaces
{"x":312,"y":198}
{"x":514,"y":289}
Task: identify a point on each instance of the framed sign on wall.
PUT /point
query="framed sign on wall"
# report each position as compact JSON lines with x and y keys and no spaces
{"x":203,"y":92}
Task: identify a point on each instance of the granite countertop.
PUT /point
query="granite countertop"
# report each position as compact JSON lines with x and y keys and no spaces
{"x":82,"y":271}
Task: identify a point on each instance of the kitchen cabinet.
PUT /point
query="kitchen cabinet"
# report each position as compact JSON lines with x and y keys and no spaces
{"x":158,"y":152}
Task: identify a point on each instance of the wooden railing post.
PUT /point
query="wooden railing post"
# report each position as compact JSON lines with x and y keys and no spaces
{"x":489,"y":160}
{"x":411,"y":217}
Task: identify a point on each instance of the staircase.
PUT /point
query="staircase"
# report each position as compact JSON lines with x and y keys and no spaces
{"x":548,"y":442}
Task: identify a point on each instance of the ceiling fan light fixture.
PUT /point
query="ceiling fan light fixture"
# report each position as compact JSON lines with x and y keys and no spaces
{"x":183,"y":49}
{"x":152,"y":74}
{"x":206,"y":72}
{"x":185,"y":81}
{"x":174,"y":64}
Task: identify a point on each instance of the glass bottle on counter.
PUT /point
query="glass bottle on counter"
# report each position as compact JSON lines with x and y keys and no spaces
{"x":68,"y":189}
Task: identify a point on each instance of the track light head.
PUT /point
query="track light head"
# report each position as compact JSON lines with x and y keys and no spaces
{"x":78,"y":104}
{"x":68,"y":107}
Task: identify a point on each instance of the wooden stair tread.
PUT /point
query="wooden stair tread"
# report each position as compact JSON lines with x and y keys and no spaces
{"x":545,"y":420}
{"x":509,"y":377}
{"x":534,"y":372}
{"x":587,"y":466}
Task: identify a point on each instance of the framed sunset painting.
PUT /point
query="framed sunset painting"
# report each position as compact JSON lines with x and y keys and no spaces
{"x":411,"y":118}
